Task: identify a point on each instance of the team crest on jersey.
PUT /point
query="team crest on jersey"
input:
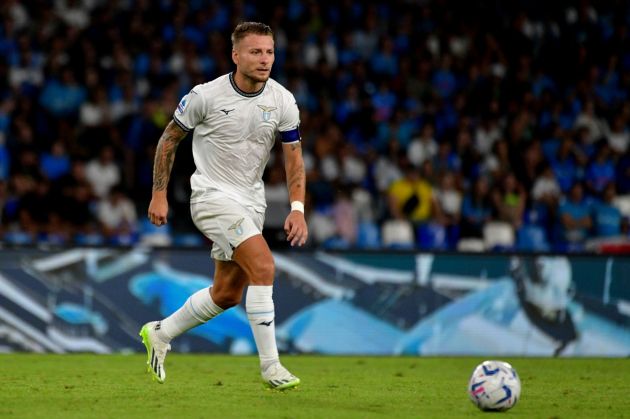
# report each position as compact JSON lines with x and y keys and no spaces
{"x":266,"y":114}
{"x":237,"y":227}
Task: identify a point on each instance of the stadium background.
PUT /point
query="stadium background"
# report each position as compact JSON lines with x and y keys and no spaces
{"x":526,"y":98}
{"x":427,"y":126}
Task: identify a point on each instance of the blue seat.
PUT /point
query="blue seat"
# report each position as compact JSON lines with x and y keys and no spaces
{"x":368,"y":235}
{"x":532,"y":238}
{"x":336,"y":243}
{"x":565,"y":247}
{"x":124,"y":239}
{"x":18,"y":237}
{"x":188,"y":240}
{"x":432,"y":236}
{"x":146,"y":227}
{"x":89,"y":239}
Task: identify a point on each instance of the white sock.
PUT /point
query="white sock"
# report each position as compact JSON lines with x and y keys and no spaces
{"x":198,"y":309}
{"x":261,"y":315}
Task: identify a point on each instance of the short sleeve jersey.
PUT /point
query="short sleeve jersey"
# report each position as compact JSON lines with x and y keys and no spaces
{"x":234,"y":132}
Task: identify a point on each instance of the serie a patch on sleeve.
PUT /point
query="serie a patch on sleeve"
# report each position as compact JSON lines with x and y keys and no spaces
{"x":290,"y":136}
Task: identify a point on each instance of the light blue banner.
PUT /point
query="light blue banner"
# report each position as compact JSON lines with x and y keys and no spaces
{"x":95,"y":300}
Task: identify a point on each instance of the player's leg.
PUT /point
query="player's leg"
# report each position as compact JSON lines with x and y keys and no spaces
{"x":229,"y":282}
{"x":255,"y":258}
{"x":207,"y":303}
{"x":229,"y":279}
{"x":202,"y":306}
{"x":156,"y":335}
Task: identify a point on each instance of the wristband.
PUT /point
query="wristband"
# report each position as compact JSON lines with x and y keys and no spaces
{"x":297,"y":206}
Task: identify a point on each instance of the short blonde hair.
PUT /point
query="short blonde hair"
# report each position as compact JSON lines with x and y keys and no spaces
{"x":245,"y":28}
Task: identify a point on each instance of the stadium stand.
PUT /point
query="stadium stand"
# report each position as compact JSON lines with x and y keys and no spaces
{"x":531,"y":97}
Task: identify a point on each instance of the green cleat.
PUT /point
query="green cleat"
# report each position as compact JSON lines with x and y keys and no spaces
{"x":156,"y":351}
{"x":278,"y":377}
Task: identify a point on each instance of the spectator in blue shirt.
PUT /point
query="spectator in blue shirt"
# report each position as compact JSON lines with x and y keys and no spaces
{"x":444,"y":81}
{"x":601,"y":171}
{"x":376,"y":71}
{"x":606,"y":217}
{"x":347,"y":54}
{"x":385,"y":62}
{"x":564,"y":165}
{"x":575,"y":217}
{"x":476,"y":209}
{"x":63,"y":98}
{"x":56,"y":163}
{"x":384,"y":102}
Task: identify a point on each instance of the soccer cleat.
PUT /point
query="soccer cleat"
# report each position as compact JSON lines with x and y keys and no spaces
{"x":279,"y":378}
{"x":156,"y":351}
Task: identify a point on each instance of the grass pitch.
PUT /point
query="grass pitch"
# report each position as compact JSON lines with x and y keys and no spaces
{"x":204,"y":386}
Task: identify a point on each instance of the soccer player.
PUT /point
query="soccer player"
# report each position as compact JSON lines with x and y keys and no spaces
{"x":235,"y":118}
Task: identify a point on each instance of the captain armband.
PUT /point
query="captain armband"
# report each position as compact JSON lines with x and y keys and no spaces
{"x":290,"y":136}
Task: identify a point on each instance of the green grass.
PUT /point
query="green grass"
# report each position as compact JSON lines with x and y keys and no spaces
{"x":209,"y":386}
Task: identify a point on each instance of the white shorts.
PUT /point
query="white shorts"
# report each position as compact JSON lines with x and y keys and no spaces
{"x":226,"y":222}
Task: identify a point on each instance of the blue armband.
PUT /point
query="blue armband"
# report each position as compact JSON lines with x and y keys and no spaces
{"x":290,"y":136}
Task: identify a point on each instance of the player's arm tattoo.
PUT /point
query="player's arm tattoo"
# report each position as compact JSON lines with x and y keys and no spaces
{"x":296,"y":178}
{"x":165,"y":155}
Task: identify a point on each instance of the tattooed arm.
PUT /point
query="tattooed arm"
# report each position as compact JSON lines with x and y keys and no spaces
{"x":295,"y":224}
{"x":163,"y":163}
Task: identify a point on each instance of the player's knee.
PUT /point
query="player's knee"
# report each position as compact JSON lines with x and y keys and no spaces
{"x":264,"y":273}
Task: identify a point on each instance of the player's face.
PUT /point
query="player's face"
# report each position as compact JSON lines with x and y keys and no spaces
{"x":254,"y":56}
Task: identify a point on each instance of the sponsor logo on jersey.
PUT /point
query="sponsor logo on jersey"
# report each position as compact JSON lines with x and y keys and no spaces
{"x":266,"y":114}
{"x":237,"y":227}
{"x":227,"y":111}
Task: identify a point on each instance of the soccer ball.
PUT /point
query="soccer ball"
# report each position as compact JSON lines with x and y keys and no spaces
{"x":494,"y":385}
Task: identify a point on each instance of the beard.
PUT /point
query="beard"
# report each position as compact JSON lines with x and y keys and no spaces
{"x":256,"y":77}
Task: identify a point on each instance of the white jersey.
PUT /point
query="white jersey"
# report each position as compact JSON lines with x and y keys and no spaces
{"x":234,"y":132}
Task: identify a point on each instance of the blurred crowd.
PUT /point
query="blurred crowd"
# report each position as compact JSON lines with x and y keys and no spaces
{"x":423,"y":122}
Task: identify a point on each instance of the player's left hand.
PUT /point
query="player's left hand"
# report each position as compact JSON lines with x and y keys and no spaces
{"x":296,"y":229}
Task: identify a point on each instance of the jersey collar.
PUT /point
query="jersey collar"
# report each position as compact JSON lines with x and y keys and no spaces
{"x":242,"y":93}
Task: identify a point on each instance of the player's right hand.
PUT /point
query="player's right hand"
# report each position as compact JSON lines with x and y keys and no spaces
{"x":158,"y":210}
